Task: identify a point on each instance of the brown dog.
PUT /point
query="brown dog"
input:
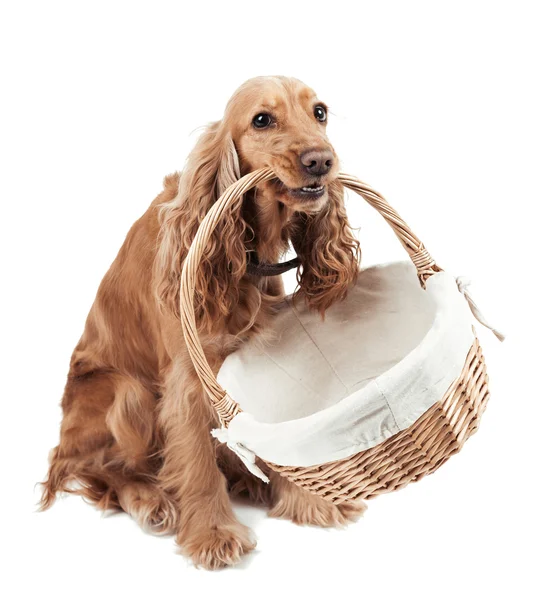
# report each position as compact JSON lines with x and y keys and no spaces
{"x":135,"y":431}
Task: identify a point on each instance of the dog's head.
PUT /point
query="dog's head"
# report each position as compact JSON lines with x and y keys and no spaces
{"x":274,"y":122}
{"x":280,"y":123}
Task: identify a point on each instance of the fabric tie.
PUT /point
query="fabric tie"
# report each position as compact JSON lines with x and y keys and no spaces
{"x":463,"y":284}
{"x":247,"y":457}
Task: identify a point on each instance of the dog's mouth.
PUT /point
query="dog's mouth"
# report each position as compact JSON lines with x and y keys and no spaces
{"x":307,"y":193}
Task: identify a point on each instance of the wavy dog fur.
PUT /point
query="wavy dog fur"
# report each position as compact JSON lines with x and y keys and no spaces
{"x":135,"y":430}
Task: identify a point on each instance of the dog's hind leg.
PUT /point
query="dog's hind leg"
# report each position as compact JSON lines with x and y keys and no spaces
{"x":77,"y":463}
{"x":107,"y":447}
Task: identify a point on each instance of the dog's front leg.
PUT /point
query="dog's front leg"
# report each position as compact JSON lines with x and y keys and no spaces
{"x":208,"y":531}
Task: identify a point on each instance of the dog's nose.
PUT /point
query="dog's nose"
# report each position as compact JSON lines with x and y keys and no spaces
{"x":317,"y":162}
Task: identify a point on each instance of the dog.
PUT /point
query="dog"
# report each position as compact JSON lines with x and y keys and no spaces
{"x":135,"y":433}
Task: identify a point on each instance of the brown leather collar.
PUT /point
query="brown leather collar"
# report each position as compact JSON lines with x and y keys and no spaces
{"x":259,"y":269}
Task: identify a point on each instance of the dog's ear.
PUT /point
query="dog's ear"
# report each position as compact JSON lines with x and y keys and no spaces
{"x":212,"y":167}
{"x":329,"y":253}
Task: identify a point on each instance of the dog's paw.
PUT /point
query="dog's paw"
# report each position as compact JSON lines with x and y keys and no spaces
{"x":304,"y":508}
{"x":150,"y":507}
{"x":218,"y":547}
{"x":351,"y":511}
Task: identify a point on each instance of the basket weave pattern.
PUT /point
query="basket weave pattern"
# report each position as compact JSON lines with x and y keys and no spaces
{"x":407,"y":456}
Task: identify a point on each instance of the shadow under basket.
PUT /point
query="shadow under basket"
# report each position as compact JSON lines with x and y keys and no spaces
{"x":387,"y":423}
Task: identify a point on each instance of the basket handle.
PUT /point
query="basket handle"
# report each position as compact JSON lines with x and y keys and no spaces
{"x":225,"y":407}
{"x":420,"y":257}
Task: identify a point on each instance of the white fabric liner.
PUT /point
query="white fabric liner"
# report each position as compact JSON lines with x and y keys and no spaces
{"x":325,"y":390}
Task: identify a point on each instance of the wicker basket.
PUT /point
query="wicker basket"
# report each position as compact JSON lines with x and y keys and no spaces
{"x":406,"y":456}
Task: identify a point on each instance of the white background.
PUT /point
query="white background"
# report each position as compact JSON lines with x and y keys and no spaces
{"x":443,"y":107}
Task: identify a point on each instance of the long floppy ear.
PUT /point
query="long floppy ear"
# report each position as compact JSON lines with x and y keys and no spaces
{"x":328,"y":251}
{"x":212,"y":166}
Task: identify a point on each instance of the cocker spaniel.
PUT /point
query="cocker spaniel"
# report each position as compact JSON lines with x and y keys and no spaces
{"x":136,"y":423}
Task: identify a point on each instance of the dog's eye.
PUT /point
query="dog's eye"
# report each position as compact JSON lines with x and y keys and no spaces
{"x":262,"y":120}
{"x":320,"y":113}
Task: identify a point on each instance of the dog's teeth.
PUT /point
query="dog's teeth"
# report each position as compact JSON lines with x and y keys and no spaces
{"x":312,"y":189}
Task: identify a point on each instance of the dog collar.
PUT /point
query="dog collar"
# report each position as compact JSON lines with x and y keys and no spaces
{"x":260,"y":269}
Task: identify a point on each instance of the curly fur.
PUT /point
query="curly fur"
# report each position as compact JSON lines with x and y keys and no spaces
{"x":328,"y":252}
{"x":135,"y":430}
